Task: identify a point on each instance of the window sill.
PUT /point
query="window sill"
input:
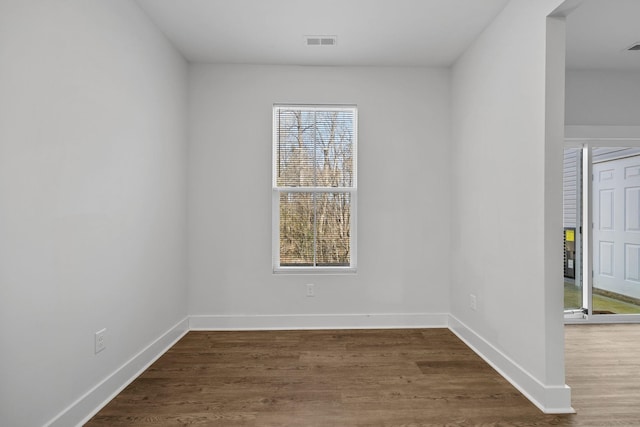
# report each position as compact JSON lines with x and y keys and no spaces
{"x":321,"y":271}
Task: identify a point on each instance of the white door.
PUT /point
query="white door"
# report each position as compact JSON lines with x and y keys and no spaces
{"x":616,"y":226}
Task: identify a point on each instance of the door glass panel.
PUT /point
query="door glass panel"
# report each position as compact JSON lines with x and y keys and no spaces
{"x":571,"y":184}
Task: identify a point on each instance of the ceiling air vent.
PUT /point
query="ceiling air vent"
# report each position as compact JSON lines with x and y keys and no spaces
{"x":635,"y":46}
{"x":320,"y":40}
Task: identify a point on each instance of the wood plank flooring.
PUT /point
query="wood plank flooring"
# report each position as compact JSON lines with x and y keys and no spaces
{"x":603,"y":370}
{"x":411,"y":378}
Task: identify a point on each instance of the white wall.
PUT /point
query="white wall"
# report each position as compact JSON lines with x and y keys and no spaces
{"x":403,"y":199}
{"x":603,"y":98}
{"x":92,"y":197}
{"x":506,"y":204}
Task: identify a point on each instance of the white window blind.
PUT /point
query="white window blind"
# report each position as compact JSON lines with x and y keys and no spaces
{"x":314,"y":186}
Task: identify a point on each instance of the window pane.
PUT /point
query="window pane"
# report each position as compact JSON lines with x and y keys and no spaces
{"x":314,"y":148}
{"x":333,"y":229}
{"x":295,"y":148}
{"x":296,"y":229}
{"x":334,"y":148}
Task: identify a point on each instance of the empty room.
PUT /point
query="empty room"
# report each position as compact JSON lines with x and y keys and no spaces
{"x":338,"y":213}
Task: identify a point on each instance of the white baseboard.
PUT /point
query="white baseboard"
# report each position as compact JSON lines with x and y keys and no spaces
{"x":96,"y":398}
{"x":318,"y":321}
{"x":549,"y":399}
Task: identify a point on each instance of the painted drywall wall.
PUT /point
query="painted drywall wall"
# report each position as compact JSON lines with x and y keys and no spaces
{"x":506,"y":209}
{"x":603,"y":98}
{"x":403,"y":196}
{"x":92,"y":197}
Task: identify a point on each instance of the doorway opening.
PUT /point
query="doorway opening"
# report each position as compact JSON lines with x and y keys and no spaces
{"x":601,"y":218}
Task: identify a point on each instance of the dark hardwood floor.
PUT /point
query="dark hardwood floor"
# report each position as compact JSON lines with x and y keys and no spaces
{"x":411,"y":378}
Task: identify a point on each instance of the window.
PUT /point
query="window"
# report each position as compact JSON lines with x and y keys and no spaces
{"x":314,"y":188}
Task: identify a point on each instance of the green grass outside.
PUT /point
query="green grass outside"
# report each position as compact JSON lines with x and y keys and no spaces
{"x":573,"y":298}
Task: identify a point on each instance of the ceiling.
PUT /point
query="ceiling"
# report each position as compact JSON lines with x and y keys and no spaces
{"x":598,"y":33}
{"x":377,"y":32}
{"x":369,"y":32}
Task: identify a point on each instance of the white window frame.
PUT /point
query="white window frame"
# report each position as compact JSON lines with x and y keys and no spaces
{"x":276,"y":190}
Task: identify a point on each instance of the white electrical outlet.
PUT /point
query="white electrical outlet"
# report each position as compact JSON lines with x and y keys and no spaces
{"x":100,"y":341}
{"x":473,"y":302}
{"x":311,"y":292}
